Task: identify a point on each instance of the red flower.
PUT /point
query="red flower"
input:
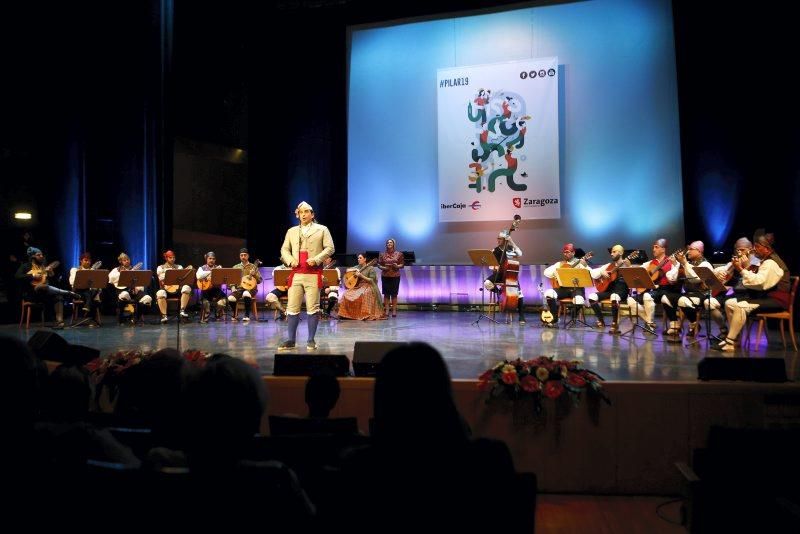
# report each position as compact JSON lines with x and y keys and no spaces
{"x":553,"y":389}
{"x":529,"y":384}
{"x":576,"y":381}
{"x":510,"y":378}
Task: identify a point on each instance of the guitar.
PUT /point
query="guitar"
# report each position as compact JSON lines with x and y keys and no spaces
{"x":205,"y":283}
{"x":249,"y":281}
{"x":42,"y":273}
{"x":547,"y":315}
{"x":603,"y":283}
{"x":571,"y":264}
{"x":655,"y":270}
{"x":351,"y":277}
{"x":173,"y":288}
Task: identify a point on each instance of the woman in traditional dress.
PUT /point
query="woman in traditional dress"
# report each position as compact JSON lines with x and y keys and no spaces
{"x":362,"y":301}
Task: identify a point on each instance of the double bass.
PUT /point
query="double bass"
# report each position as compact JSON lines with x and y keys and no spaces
{"x":509,"y":273}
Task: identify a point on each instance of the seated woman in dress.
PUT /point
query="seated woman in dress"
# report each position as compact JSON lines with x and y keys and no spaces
{"x":363,"y":300}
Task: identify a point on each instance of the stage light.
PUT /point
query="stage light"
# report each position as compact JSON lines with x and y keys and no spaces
{"x":23,"y":215}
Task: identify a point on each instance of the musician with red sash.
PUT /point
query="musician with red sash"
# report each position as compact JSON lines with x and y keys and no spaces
{"x":768,"y":289}
{"x":644,"y":304}
{"x":616,"y":290}
{"x":555,"y":293}
{"x":506,"y":249}
{"x":693,"y":293}
{"x":304,"y":249}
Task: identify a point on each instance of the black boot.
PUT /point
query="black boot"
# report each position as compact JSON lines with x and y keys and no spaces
{"x":598,"y":313}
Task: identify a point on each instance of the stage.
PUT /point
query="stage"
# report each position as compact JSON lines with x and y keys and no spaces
{"x":468,"y":348}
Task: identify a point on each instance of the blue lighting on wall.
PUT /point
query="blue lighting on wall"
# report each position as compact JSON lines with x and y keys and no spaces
{"x":718,"y":192}
{"x":71,"y":212}
{"x":619,"y":142}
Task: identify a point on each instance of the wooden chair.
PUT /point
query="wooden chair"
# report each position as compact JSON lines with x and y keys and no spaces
{"x":77,"y":304}
{"x":624,"y":309}
{"x":785,"y":316}
{"x":25,"y":315}
{"x":563,"y":309}
{"x":253,"y":309}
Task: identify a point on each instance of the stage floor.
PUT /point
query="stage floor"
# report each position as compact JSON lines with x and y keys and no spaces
{"x":469,"y":349}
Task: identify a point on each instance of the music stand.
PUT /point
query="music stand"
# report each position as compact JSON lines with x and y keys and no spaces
{"x":130,"y":279}
{"x":226,"y":277}
{"x":483,"y":258}
{"x":572,"y":278}
{"x":331,"y":277}
{"x":89,"y":279}
{"x":637,"y":277}
{"x":281,"y":277}
{"x":711,"y":286}
{"x":179,"y":277}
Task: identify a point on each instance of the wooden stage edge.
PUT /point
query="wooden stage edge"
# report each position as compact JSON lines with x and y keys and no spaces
{"x":629,"y":447}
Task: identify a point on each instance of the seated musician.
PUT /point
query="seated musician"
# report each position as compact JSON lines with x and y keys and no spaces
{"x":33,"y":277}
{"x":732,"y":279}
{"x":330,"y":294}
{"x":127,"y":296}
{"x":209,"y":293}
{"x":616,"y":291}
{"x":692,"y":286}
{"x":555,"y":293}
{"x":362,"y":301}
{"x":89,"y":296}
{"x":274,"y":296}
{"x":644,"y":303}
{"x":767,"y":290}
{"x":183,"y":290}
{"x":240,"y":293}
{"x":505,"y":249}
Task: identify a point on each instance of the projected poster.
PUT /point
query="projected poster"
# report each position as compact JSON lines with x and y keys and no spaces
{"x":498,"y":141}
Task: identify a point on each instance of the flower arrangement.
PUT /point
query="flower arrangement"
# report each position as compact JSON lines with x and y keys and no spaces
{"x":539,"y":378}
{"x":106,"y":371}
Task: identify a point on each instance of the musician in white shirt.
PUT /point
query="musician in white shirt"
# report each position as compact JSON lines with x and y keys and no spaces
{"x":184,"y":291}
{"x":126,"y":296}
{"x":213,"y":293}
{"x":90,"y":296}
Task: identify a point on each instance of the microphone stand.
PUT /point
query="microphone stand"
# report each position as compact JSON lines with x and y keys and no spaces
{"x":178,"y":332}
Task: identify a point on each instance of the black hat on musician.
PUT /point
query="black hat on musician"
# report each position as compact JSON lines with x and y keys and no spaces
{"x":243,"y":250}
{"x":210,"y":254}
